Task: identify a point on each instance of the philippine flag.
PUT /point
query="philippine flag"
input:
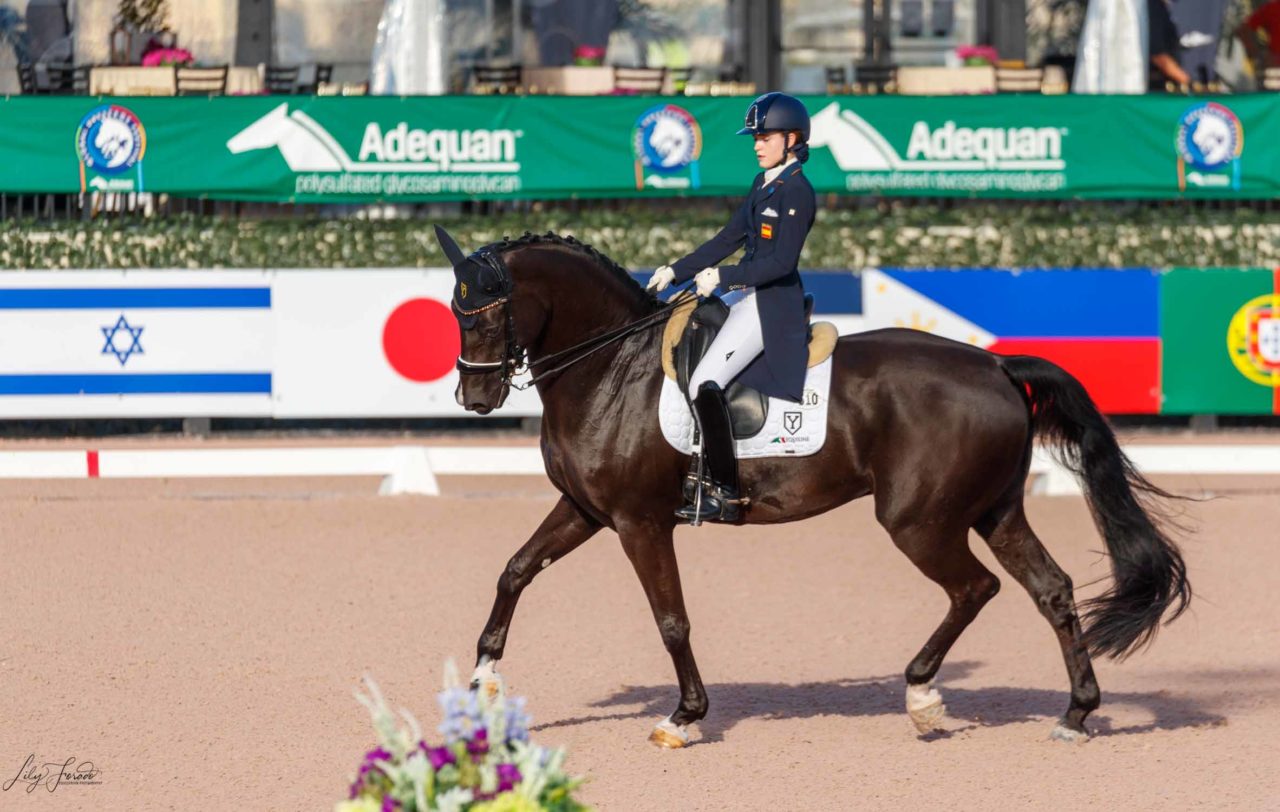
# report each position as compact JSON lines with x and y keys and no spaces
{"x":1102,"y":326}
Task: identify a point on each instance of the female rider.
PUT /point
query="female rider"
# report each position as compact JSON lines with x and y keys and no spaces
{"x":763,"y":341}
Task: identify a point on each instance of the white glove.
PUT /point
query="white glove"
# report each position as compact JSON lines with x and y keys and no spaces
{"x":707,"y":281}
{"x":661,"y":279}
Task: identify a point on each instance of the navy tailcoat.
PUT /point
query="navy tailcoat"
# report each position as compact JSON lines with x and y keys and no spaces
{"x":773,"y":222}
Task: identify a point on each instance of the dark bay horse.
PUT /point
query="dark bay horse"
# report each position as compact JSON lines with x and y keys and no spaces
{"x":939,"y":433}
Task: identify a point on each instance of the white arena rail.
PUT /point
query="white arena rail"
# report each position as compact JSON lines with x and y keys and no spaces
{"x":1054,"y":480}
{"x":413,"y":468}
{"x":405,"y":469}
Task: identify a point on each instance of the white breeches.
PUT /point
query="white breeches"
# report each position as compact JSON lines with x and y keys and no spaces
{"x":735,"y":346}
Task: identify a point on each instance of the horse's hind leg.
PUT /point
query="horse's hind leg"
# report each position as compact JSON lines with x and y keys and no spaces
{"x":1018,"y":550}
{"x":946,"y":559}
{"x":565,"y":528}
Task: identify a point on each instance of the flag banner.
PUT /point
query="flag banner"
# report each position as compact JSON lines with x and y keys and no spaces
{"x":383,"y":342}
{"x":345,"y":149}
{"x":1102,"y":326}
{"x":146,"y":343}
{"x":1221,"y":332}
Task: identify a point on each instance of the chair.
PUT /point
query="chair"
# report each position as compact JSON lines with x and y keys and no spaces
{"x":281,"y":79}
{"x":496,"y":79}
{"x":911,"y":18}
{"x":200,"y":81}
{"x":323,"y":75}
{"x":1270,"y":79}
{"x":64,"y":79}
{"x":875,"y":78}
{"x":647,"y":81}
{"x":677,"y":80}
{"x":837,"y":80}
{"x":1019,"y":80}
{"x":944,"y":18}
{"x":27,"y":77}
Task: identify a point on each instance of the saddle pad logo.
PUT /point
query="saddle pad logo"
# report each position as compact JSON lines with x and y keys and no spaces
{"x":766,"y":231}
{"x":792,"y":421}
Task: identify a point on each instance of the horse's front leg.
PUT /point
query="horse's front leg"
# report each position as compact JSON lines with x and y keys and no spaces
{"x":651,"y":550}
{"x":565,"y":528}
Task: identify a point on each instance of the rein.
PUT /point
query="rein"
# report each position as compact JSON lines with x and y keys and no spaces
{"x":514,"y":361}
{"x":605,"y":339}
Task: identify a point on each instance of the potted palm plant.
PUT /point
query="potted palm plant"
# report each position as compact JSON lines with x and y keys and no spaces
{"x":140,"y":26}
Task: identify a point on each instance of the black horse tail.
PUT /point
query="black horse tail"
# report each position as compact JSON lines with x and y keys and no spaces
{"x":1150,"y":577}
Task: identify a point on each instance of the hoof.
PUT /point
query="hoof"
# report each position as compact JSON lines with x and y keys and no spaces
{"x":487,"y":681}
{"x":669,"y":735}
{"x":1062,"y":733}
{"x":924,"y":704}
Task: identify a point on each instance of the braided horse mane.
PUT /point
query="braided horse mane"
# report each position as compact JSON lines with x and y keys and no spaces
{"x":629,"y":284}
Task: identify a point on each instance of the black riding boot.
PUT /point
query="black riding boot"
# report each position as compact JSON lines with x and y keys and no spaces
{"x":719,"y":500}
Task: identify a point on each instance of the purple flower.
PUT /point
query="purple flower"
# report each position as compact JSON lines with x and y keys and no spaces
{"x":517,"y":720}
{"x":479,"y":744}
{"x":389,"y":804}
{"x":368,"y":766}
{"x":438,"y":756}
{"x":462,"y":714}
{"x":508,"y":777}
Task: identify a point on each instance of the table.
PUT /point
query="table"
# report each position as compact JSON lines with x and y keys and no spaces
{"x":134,"y":80}
{"x":569,"y":80}
{"x":921,"y":80}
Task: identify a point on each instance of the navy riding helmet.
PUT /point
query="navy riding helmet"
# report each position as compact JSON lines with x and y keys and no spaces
{"x":779,"y":112}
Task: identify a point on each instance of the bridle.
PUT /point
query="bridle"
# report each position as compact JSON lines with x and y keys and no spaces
{"x":515,"y":359}
{"x":514,"y":356}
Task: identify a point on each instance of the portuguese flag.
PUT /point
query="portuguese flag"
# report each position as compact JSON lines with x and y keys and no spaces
{"x":1220,"y":332}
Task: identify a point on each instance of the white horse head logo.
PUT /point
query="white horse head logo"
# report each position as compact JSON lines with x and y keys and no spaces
{"x":114,"y":142}
{"x":305,"y":145}
{"x":1215,"y":140}
{"x":855,"y":145}
{"x":671,"y":140}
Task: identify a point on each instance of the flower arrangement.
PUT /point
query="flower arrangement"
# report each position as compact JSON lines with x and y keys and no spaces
{"x":977,"y":55}
{"x":167,"y":56}
{"x":590,"y":55}
{"x":486,"y":763}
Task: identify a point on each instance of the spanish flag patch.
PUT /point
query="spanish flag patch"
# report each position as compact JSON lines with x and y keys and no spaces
{"x":766,"y":230}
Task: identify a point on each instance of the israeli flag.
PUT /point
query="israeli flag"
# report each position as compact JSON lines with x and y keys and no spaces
{"x":103,"y":343}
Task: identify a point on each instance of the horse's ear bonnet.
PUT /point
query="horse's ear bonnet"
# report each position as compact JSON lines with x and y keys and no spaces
{"x":480,"y":280}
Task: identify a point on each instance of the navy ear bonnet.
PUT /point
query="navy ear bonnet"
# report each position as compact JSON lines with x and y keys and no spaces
{"x":481,"y":280}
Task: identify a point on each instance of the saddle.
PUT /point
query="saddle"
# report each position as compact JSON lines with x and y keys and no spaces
{"x":689,"y":334}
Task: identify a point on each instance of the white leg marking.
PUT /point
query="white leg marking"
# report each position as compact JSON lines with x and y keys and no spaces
{"x":487,"y":679}
{"x":669,"y":735}
{"x":1063,"y":733}
{"x":924,"y":704}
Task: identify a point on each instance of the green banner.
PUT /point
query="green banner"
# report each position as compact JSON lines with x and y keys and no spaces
{"x":1220,"y":332}
{"x":316,"y":149}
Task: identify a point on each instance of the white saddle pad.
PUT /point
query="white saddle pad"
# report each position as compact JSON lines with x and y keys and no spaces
{"x":790,"y":430}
